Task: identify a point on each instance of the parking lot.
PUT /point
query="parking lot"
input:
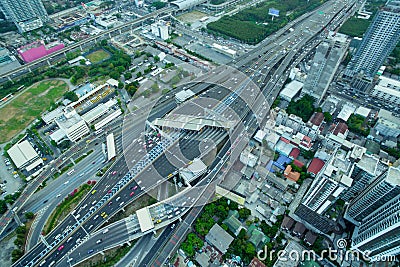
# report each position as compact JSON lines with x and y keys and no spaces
{"x":8,"y":183}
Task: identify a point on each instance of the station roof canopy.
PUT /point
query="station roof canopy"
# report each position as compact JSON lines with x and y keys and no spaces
{"x":144,"y":218}
{"x":110,"y":146}
{"x":191,"y":123}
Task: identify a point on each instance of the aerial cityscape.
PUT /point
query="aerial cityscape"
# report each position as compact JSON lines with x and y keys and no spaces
{"x":219,"y":133}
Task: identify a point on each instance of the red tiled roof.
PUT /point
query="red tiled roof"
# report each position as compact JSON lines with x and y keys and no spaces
{"x":340,"y":128}
{"x":294,"y":153}
{"x":284,"y":140}
{"x":317,"y":118}
{"x":298,"y":163}
{"x":256,"y":263}
{"x":315,"y":165}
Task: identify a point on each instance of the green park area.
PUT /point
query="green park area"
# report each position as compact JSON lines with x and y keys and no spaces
{"x":26,"y":107}
{"x":355,"y":27}
{"x":98,"y":56}
{"x":253,"y":24}
{"x":66,"y":207}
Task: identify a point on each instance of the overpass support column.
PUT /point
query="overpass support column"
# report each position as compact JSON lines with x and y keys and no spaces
{"x":95,"y":40}
{"x":109,"y":35}
{"x":80,"y":46}
{"x":48,"y":62}
{"x":120,"y":31}
{"x":65,"y":54}
{"x":9,"y":78}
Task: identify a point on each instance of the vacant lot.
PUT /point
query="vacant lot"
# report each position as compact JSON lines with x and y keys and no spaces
{"x":253,"y":24}
{"x":355,"y":27}
{"x":21,"y":111}
{"x":97,"y":56}
{"x":191,"y":16}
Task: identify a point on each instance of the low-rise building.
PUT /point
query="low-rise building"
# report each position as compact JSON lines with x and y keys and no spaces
{"x":291,"y":90}
{"x":72,"y":124}
{"x":388,"y":123}
{"x":8,"y":61}
{"x":219,"y":238}
{"x":24,"y":155}
{"x":387,"y":90}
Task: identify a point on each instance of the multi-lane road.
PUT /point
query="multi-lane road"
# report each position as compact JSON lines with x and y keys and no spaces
{"x":263,"y":69}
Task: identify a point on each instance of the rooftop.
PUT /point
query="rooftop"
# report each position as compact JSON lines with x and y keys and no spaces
{"x":144,"y":218}
{"x":346,"y":112}
{"x":192,"y":123}
{"x":317,"y":118}
{"x":393,"y":176}
{"x":22,"y":153}
{"x":389,"y":119}
{"x":368,"y":163}
{"x":219,"y":238}
{"x":363,"y":111}
{"x":315,"y":166}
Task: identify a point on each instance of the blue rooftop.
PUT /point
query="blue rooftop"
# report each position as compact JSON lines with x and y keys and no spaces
{"x":83,"y":90}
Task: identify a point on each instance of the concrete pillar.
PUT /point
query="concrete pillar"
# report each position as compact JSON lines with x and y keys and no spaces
{"x":48,"y":62}
{"x":109,"y":35}
{"x":9,"y":78}
{"x":80,"y":46}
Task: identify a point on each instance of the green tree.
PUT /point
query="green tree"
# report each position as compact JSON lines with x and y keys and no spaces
{"x":120,"y":85}
{"x":29,"y":215}
{"x":70,"y":95}
{"x":114,"y":75}
{"x":327,"y":117}
{"x":21,"y":229}
{"x":156,"y":58}
{"x":18,"y":242}
{"x":304,"y":107}
{"x":3,"y":206}
{"x":16,"y":254}
{"x":158,"y":4}
{"x":244,"y":213}
{"x":128,"y":75}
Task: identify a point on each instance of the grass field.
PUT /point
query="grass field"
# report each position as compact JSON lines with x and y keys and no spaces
{"x":355,"y":27}
{"x":191,"y":16}
{"x":97,"y":56}
{"x":21,"y":111}
{"x":253,"y":24}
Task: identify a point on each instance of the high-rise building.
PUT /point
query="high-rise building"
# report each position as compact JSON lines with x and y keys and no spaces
{"x":27,"y":15}
{"x":382,"y":190}
{"x":329,"y":184}
{"x":379,"y":232}
{"x":363,"y":173}
{"x":325,"y":63}
{"x":378,"y":42}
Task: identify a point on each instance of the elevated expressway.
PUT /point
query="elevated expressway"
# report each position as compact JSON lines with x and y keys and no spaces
{"x":270,"y":58}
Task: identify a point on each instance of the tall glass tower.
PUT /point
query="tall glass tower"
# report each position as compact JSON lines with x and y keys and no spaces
{"x":378,"y":42}
{"x":27,"y":15}
{"x":378,"y":213}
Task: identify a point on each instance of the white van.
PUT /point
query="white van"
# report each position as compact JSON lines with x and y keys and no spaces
{"x":71,"y":172}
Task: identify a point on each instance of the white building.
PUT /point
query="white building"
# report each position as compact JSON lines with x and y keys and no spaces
{"x":24,"y":156}
{"x":246,"y":157}
{"x":101,"y":109}
{"x":388,"y":124}
{"x":224,"y":50}
{"x":346,"y":112}
{"x":387,"y":90}
{"x":160,"y":29}
{"x":291,"y":90}
{"x":72,"y":124}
